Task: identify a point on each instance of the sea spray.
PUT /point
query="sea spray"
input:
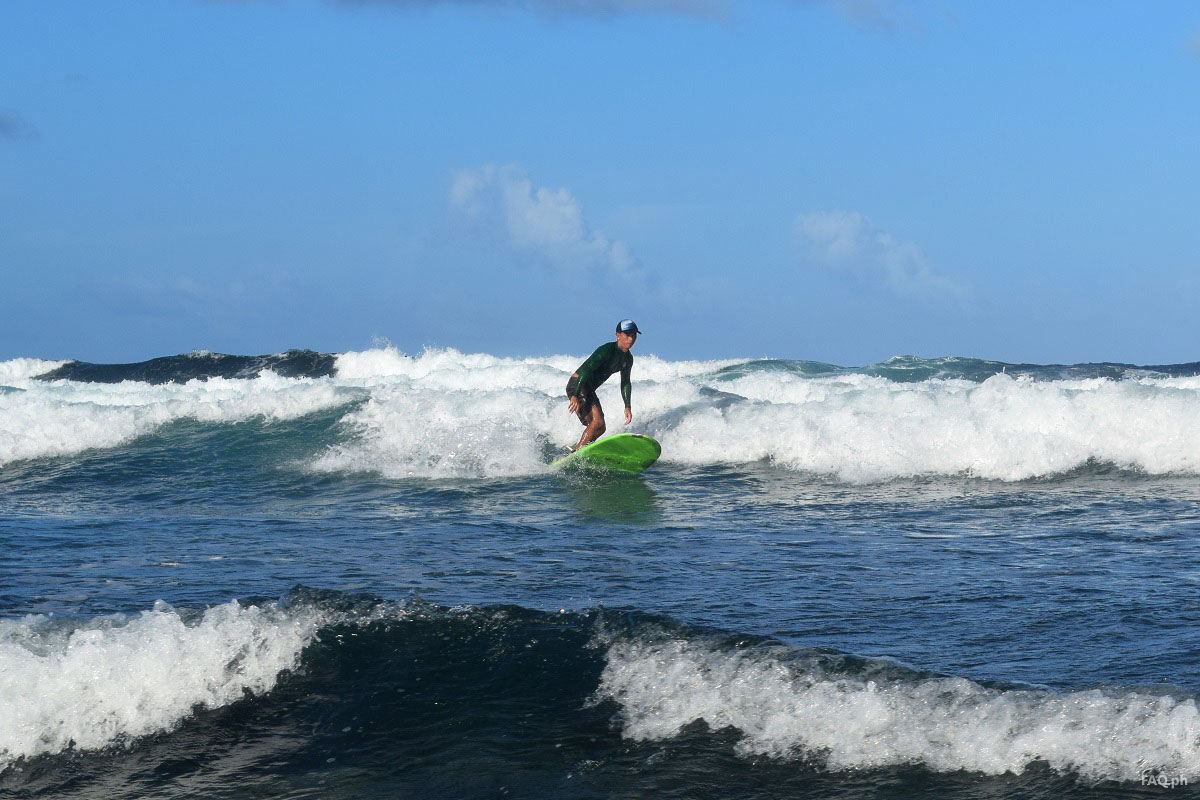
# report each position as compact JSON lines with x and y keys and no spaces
{"x":117,"y":678}
{"x":787,"y":708}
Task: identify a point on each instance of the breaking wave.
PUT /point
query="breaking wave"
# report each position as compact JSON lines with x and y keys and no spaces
{"x":445,"y":414}
{"x":551,"y":680}
{"x":110,"y":680}
{"x":786,"y":706}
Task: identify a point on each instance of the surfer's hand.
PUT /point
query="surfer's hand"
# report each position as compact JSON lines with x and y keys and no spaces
{"x":628,"y":416}
{"x":574,"y":404}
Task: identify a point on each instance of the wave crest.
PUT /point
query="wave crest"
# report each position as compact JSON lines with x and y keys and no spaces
{"x":785,"y":708}
{"x":118,"y":678}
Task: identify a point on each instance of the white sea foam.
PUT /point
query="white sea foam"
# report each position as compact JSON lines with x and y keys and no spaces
{"x":445,"y":413}
{"x":390,"y":362}
{"x":406,"y":430}
{"x":20,"y":370}
{"x":785,"y":710}
{"x":861,"y":428}
{"x":119,"y":678}
{"x":65,"y":417}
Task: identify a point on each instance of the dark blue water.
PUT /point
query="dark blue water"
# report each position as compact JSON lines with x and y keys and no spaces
{"x":270,"y":588}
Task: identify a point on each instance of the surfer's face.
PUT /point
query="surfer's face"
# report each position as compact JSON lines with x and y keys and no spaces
{"x":626,"y":340}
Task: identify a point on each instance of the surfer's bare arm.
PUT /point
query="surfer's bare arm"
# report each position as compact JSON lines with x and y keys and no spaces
{"x":573,"y":394}
{"x":628,"y":416}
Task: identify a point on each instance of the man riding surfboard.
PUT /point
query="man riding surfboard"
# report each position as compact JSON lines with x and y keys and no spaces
{"x":607,"y":359}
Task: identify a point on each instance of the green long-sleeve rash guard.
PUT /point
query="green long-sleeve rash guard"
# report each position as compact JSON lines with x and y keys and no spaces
{"x":607,"y":359}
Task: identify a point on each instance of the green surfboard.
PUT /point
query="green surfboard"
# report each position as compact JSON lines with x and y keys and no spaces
{"x":629,"y":453}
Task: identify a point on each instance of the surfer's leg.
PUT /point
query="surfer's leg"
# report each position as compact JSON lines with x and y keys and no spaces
{"x":595,"y":426}
{"x":584,"y":408}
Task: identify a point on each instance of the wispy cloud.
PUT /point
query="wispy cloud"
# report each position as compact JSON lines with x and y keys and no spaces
{"x":12,"y":126}
{"x":849,"y":242}
{"x":874,"y":15}
{"x":541,"y":223}
{"x":884,"y":16}
{"x":587,"y":8}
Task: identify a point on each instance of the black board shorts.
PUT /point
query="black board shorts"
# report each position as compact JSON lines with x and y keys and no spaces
{"x":586,"y":401}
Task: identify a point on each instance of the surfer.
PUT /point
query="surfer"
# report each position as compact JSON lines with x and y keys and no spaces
{"x":608,"y":358}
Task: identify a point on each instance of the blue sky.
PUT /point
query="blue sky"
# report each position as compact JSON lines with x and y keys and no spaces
{"x":834,"y":180}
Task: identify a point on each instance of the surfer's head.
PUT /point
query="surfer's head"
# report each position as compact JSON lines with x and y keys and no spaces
{"x":627,"y":333}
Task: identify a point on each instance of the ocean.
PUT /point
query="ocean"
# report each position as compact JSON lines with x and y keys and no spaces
{"x":354,"y":575}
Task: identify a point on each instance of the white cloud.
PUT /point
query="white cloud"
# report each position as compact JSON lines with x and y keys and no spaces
{"x":848,"y":241}
{"x":539,"y":222}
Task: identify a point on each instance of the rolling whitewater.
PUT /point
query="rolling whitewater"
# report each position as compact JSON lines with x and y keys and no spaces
{"x":356,"y":575}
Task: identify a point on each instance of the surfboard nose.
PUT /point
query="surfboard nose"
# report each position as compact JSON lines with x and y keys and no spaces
{"x":625,"y":452}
